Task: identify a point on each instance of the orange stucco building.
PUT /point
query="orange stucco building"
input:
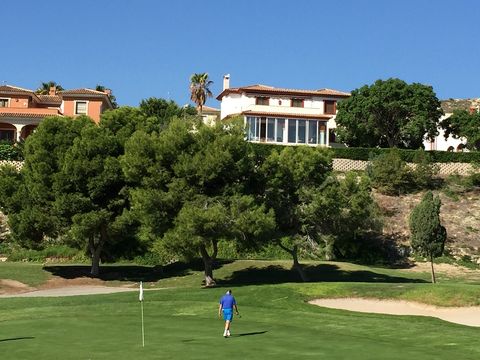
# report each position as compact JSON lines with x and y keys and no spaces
{"x":21,"y":110}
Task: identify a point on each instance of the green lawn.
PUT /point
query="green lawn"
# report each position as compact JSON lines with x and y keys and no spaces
{"x":276,"y":321}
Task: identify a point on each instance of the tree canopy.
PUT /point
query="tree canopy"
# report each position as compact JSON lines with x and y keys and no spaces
{"x":389,"y":113}
{"x":462,"y":124}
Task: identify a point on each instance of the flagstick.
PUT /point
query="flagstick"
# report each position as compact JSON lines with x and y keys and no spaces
{"x":143,"y":328}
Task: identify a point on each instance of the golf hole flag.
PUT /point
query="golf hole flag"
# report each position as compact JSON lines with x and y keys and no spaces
{"x":140,"y":295}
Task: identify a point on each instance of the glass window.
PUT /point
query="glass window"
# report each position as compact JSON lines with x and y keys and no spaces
{"x":6,"y":135}
{"x":81,"y":108}
{"x":262,"y":100}
{"x":292,"y":131}
{"x":3,"y":102}
{"x":301,"y":131}
{"x":297,"y":102}
{"x":280,"y":130}
{"x":251,"y":128}
{"x":257,"y":129}
{"x":321,"y":133}
{"x":312,"y":131}
{"x":270,"y":130}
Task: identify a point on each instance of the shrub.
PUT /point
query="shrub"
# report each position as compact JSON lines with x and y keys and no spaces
{"x":424,"y":170}
{"x":10,"y":152}
{"x":390,"y":174}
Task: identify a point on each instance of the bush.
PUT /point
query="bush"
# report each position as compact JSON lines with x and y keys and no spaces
{"x":58,"y":252}
{"x":10,"y":152}
{"x":424,"y":170}
{"x":390,"y":174}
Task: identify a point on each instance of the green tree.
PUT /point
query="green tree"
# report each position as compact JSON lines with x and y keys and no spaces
{"x":32,"y":214}
{"x":44,"y":88}
{"x":199,"y":89}
{"x":188,"y":187}
{"x":462,"y":124}
{"x":164,"y":110}
{"x":389,"y":113}
{"x":427,"y":234}
{"x":89,"y":192}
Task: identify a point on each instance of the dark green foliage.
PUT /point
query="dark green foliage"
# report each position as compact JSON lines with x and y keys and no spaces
{"x":427,"y":236}
{"x":466,"y":125}
{"x":389,"y":113}
{"x":10,"y":151}
{"x":390,"y":174}
{"x":164,"y":110}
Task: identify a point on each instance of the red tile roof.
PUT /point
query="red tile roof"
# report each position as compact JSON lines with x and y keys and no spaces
{"x":8,"y":89}
{"x":265,"y":89}
{"x":82,"y":91}
{"x":50,"y":99}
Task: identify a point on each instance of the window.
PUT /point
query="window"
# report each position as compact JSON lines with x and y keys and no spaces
{"x":312,"y":131}
{"x":330,"y":106}
{"x":262,"y":100}
{"x":297,"y":102}
{"x":7,"y":135}
{"x":301,"y":131}
{"x":80,"y":108}
{"x":280,"y":130}
{"x":3,"y":103}
{"x":270,"y":130}
{"x":292,"y":131}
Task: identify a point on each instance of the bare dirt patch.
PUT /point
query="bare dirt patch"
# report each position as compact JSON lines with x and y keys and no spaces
{"x":8,"y":286}
{"x":469,"y":316}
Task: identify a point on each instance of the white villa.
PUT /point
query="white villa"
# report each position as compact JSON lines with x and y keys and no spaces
{"x":282,"y":116}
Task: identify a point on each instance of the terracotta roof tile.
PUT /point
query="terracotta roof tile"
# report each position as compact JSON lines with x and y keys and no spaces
{"x":50,"y":99}
{"x":15,"y":90}
{"x":82,"y":91}
{"x":259,"y":88}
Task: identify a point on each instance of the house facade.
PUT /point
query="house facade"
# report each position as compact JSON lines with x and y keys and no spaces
{"x":21,"y":110}
{"x":282,"y":116}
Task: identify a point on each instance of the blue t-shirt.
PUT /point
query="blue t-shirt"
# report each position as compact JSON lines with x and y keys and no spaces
{"x":228,"y":301}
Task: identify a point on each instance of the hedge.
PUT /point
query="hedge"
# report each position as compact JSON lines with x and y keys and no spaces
{"x":263,"y":150}
{"x":407,"y":155}
{"x":10,"y":152}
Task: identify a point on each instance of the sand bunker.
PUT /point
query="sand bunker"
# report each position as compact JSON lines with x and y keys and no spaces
{"x":465,"y":315}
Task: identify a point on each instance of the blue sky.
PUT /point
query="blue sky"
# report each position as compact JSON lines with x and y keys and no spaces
{"x":147,"y":48}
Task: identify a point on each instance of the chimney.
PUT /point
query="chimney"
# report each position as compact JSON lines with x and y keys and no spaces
{"x":53,"y":90}
{"x":226,"y":81}
{"x":108,"y":92}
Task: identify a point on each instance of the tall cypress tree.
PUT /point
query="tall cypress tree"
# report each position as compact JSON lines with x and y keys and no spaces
{"x":427,"y":233}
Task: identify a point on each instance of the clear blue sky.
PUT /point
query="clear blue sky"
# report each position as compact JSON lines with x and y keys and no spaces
{"x":147,"y":48}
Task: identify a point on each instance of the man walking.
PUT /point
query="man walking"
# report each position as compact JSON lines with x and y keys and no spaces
{"x":227,"y":304}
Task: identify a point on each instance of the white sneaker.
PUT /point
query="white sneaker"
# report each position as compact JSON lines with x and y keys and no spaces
{"x":225,"y":334}
{"x":228,"y":332}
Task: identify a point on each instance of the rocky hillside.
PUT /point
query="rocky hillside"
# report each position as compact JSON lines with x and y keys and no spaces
{"x":460,"y":214}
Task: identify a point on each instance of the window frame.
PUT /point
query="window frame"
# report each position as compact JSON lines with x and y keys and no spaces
{"x":297,"y":99}
{"x":259,"y":99}
{"x":8,"y":102}
{"x":334,"y":102}
{"x":75,"y":102}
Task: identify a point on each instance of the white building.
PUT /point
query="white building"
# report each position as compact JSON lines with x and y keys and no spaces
{"x":282,"y":116}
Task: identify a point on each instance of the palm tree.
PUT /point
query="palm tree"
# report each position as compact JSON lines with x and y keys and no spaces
{"x":199,"y":89}
{"x":44,"y":89}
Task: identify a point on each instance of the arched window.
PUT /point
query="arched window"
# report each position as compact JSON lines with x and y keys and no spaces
{"x":450,"y":149}
{"x":460,"y":147}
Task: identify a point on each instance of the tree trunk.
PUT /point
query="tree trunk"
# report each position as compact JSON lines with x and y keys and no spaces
{"x":208,"y":264}
{"x":96,"y":250}
{"x":296,"y":265}
{"x":433,"y":271}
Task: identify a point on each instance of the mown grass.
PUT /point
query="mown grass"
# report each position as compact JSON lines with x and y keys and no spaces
{"x":182,"y":323}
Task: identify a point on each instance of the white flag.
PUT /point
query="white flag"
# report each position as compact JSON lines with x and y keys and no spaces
{"x":140,"y":296}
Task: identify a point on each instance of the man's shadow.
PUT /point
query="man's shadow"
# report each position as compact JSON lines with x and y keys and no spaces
{"x":251,"y":333}
{"x":18,"y":338}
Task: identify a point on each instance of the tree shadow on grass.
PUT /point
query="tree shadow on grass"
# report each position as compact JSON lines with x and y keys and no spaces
{"x":275,"y":274}
{"x":18,"y":338}
{"x":133,"y":273}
